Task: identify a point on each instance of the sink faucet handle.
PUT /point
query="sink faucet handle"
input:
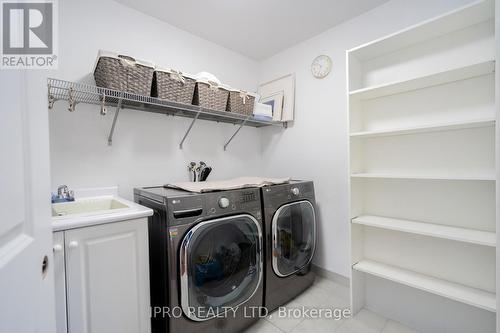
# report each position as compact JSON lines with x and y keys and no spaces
{"x":63,"y":194}
{"x":62,"y":191}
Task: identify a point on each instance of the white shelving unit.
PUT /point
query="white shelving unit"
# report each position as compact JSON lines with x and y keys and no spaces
{"x":423,"y":174}
{"x":434,"y":79}
{"x":457,"y":125}
{"x":486,"y":238}
{"x":476,"y":177}
{"x":454,"y":291}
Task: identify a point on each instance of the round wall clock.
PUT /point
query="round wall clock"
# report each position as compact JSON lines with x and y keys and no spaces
{"x":321,"y":66}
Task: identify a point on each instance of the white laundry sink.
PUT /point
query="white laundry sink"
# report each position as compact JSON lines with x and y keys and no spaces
{"x":90,"y":205}
{"x":93,"y":210}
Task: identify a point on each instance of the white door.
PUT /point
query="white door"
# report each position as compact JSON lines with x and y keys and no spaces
{"x":107,"y":278}
{"x":26,"y":289}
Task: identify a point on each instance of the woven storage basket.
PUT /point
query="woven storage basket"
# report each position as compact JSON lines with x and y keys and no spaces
{"x":123,"y":73}
{"x":241,"y":102}
{"x":211,"y":95}
{"x":173,"y":86}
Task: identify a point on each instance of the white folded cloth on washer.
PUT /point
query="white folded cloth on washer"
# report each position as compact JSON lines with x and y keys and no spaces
{"x":230,"y":184}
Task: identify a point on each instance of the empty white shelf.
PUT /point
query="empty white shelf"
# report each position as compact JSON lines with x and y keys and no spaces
{"x":435,"y":79}
{"x":457,"y":292}
{"x":426,"y":128}
{"x":476,"y":177}
{"x":429,"y":229}
{"x":458,"y":19}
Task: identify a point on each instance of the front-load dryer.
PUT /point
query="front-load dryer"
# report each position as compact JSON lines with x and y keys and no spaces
{"x":290,"y":240}
{"x":206,"y":259}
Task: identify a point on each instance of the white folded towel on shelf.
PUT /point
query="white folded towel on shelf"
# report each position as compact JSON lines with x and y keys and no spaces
{"x":230,"y":184}
{"x":261,"y":117}
{"x":261,"y":109}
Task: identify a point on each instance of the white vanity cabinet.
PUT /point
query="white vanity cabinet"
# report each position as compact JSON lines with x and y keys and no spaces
{"x":60,"y":282}
{"x":102,"y":278}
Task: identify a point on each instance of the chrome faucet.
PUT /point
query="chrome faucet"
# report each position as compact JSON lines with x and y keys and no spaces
{"x":62,"y":191}
{"x":63,"y":194}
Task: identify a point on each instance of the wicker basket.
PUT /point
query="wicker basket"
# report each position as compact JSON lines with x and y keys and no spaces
{"x":241,"y":102}
{"x":123,"y":73}
{"x":211,"y":95}
{"x":173,"y":86}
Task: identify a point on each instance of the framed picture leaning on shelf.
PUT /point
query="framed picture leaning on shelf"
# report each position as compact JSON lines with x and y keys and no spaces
{"x":281,"y":89}
{"x":276,"y":102}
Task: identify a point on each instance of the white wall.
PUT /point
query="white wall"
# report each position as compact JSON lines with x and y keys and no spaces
{"x":145,"y":146}
{"x":316,"y":146}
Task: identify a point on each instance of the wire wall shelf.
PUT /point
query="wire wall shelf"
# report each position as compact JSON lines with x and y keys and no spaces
{"x":75,"y":93}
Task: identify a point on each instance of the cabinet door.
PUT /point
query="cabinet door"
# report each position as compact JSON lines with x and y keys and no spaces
{"x":60,"y":282}
{"x":107,"y":273}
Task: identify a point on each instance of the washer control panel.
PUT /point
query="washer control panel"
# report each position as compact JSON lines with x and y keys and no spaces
{"x":241,"y":201}
{"x":248,"y":196}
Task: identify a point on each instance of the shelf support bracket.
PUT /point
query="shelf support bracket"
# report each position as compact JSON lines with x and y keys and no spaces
{"x":112,"y":131}
{"x":236,"y":132}
{"x":189,"y":129}
{"x":50,"y":97}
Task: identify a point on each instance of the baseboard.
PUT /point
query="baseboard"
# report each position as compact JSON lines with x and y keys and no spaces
{"x":335,"y":277}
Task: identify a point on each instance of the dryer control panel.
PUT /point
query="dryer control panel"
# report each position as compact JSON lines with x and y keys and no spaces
{"x":276,"y":195}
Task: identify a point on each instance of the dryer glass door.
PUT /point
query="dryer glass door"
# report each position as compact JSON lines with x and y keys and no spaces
{"x":294,"y":237}
{"x":220,"y":265}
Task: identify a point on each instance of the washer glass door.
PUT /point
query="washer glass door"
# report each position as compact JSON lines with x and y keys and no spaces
{"x":294,"y":237}
{"x":220,"y":265}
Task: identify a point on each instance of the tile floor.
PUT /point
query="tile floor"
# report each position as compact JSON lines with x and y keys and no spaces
{"x":326,"y":294}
